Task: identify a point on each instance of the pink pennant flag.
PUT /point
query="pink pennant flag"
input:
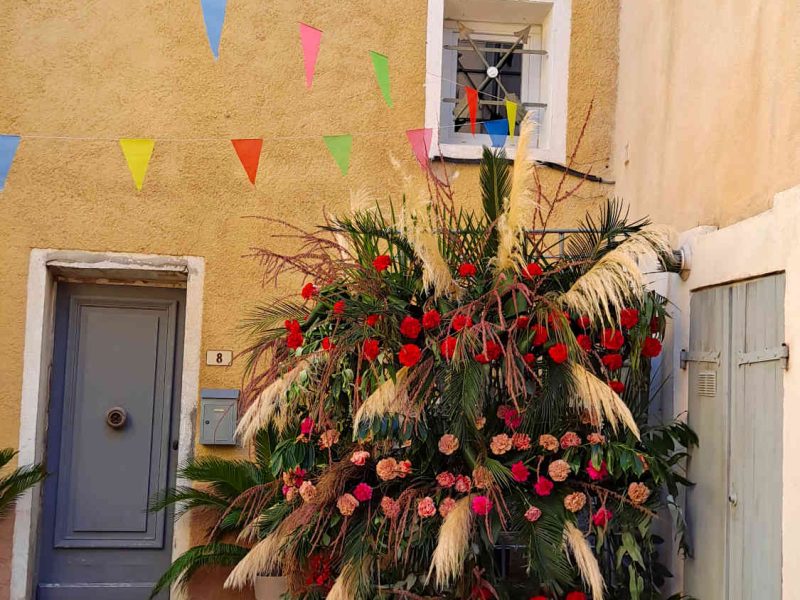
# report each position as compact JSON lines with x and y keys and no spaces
{"x":420,"y":140}
{"x":310,"y":37}
{"x":472,"y":101}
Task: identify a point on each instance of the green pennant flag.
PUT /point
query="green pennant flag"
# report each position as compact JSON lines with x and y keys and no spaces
{"x":381,"y":64}
{"x":339,"y":146}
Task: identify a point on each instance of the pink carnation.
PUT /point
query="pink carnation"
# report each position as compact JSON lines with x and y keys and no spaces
{"x":570,"y":440}
{"x":363,"y":492}
{"x":447,"y":505}
{"x":426,"y":508}
{"x":446,"y":479}
{"x":307,"y":426}
{"x":521,"y":441}
{"x":390,"y":507}
{"x":448,"y":444}
{"x":519,"y":472}
{"x":359,"y":457}
{"x":543,"y":486}
{"x":533,"y":514}
{"x":481,"y":505}
{"x":597,"y":474}
{"x":463,"y":484}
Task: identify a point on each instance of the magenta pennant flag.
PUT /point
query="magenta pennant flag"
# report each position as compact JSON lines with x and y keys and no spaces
{"x":310,"y":37}
{"x":420,"y":140}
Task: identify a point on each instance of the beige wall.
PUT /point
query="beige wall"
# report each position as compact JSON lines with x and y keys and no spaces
{"x":130,"y":69}
{"x":708,"y":117}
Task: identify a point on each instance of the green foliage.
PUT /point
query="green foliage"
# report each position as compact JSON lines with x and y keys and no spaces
{"x":205,"y":555}
{"x":15,"y":483}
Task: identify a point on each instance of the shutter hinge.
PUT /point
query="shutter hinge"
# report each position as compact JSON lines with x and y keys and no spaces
{"x":780,"y":353}
{"x":711,"y":356}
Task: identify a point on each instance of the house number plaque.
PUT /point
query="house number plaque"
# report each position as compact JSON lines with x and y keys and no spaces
{"x":219,"y":358}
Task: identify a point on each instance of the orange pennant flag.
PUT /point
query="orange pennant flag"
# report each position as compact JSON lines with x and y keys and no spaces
{"x":472,"y":101}
{"x":249,"y":153}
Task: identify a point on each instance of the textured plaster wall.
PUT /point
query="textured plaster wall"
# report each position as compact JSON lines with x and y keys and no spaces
{"x":708,"y":117}
{"x":103,"y":69}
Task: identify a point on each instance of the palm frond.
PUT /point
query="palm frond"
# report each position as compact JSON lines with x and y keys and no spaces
{"x":196,"y":558}
{"x":495,"y":180}
{"x":13,"y":485}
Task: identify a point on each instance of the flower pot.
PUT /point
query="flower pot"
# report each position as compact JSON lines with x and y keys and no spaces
{"x":270,"y":588}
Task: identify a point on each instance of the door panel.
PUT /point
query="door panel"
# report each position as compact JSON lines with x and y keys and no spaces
{"x":734,"y":511}
{"x":115,"y":348}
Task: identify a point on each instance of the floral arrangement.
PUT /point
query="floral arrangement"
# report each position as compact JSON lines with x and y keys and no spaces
{"x":445,"y":386}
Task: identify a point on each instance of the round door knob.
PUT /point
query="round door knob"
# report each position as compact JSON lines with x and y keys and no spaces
{"x":116,"y":417}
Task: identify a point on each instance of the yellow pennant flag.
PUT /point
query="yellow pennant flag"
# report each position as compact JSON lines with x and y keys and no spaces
{"x":511,"y":112}
{"x":137,"y":152}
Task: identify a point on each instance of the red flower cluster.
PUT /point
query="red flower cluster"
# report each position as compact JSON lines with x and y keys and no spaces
{"x":381,"y":262}
{"x":492,"y":351}
{"x":431,"y":319}
{"x":294,"y":339}
{"x":410,"y":327}
{"x":309,"y":291}
{"x":409,"y":355}
{"x":371,"y":349}
{"x":467,"y":270}
{"x":558,"y":353}
{"x":461,"y":322}
{"x":448,"y":347}
{"x":629,"y":318}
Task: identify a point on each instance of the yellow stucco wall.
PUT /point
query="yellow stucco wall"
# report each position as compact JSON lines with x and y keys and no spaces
{"x":144,"y":69}
{"x":708,"y":117}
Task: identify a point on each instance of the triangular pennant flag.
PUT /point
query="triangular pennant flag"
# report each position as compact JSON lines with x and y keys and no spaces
{"x":214,"y":16}
{"x":8,"y":148}
{"x":310,"y":37}
{"x":511,"y":112}
{"x":498,"y":131}
{"x":381,"y":65}
{"x":472,"y":101}
{"x":249,"y":153}
{"x":339,"y":146}
{"x":137,"y":152}
{"x":420,"y":140}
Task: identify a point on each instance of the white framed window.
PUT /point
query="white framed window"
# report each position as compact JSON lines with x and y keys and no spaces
{"x":516,"y":50}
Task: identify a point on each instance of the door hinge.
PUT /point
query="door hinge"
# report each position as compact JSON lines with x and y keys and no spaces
{"x":710,"y":356}
{"x":780,"y":353}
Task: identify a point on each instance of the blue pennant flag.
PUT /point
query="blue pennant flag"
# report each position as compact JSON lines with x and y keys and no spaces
{"x":498,"y":131}
{"x":8,"y":148}
{"x":214,"y":16}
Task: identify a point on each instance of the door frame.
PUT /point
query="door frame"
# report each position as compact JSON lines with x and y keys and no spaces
{"x":761,"y":245}
{"x":44,"y":266}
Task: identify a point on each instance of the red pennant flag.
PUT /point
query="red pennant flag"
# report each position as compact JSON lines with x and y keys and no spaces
{"x":472,"y":101}
{"x":249,"y":152}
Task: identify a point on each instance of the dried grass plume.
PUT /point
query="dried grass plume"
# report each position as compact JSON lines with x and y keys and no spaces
{"x":451,"y":549}
{"x":390,"y":398}
{"x":585,"y":560}
{"x":594,"y":395}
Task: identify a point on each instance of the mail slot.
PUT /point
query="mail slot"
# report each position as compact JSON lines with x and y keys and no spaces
{"x":218,"y":417}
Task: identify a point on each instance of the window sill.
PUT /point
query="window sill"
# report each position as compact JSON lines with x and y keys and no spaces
{"x":474,"y":152}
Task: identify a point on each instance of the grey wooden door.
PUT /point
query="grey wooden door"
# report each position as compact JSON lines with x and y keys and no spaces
{"x":736,"y":407}
{"x":116,"y":347}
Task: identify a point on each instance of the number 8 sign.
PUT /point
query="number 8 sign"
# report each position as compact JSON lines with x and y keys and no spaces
{"x":219,"y":358}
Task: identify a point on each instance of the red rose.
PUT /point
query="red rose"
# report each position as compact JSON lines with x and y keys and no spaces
{"x":612,"y":362}
{"x":309,"y":291}
{"x":338,"y":307}
{"x":576,"y":596}
{"x":583,"y":321}
{"x":629,"y":318}
{"x":519,"y":472}
{"x":539,"y":334}
{"x":543,"y":486}
{"x":522,"y":322}
{"x":558,"y":352}
{"x":529,"y":358}
{"x":431,"y":319}
{"x":651,"y":347}
{"x":467,"y":270}
{"x":531,"y":271}
{"x":612,"y":339}
{"x":584,"y":341}
{"x":371,"y":349}
{"x":409,"y":355}
{"x":617,"y":386}
{"x":602,"y":517}
{"x":292,"y":326}
{"x":327,"y":345}
{"x":448,"y":347}
{"x":410,"y":327}
{"x":371,"y":320}
{"x":461,"y":321}
{"x":382,"y":262}
{"x":294,"y":340}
